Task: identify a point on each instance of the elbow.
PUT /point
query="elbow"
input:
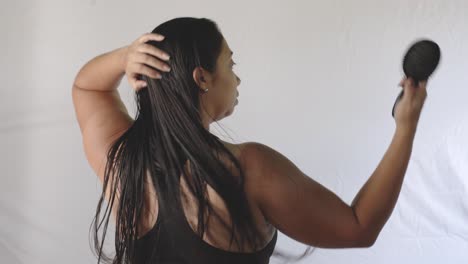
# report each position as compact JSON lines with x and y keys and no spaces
{"x":366,"y":239}
{"x":366,"y":233}
{"x":367,"y":243}
{"x":78,"y":82}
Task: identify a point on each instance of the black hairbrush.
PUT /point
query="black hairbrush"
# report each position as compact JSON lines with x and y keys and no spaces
{"x":419,"y":63}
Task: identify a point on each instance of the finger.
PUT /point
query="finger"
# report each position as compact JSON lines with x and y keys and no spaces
{"x":140,"y":84}
{"x":145,"y":70}
{"x":423,"y":84}
{"x":150,"y":36}
{"x":402,"y":82}
{"x":409,"y":82}
{"x":422,"y":89}
{"x":152,"y":50}
{"x":407,"y":85}
{"x":137,"y":84}
{"x":152,"y":61}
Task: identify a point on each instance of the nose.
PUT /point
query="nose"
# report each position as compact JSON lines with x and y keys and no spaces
{"x":238,"y":80}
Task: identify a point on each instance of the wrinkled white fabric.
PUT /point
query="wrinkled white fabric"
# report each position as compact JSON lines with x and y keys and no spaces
{"x":319,"y":79}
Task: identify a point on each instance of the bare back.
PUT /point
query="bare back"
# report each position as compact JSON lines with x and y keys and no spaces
{"x":216,"y":235}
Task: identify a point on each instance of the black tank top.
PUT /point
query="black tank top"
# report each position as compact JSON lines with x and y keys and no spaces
{"x":175,"y":242}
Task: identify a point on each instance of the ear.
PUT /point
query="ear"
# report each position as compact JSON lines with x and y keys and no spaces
{"x":201,"y":77}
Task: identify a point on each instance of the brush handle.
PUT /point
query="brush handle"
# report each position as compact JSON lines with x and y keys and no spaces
{"x":396,"y":102}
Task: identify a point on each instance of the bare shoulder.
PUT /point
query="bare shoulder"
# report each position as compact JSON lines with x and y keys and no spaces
{"x":251,"y":158}
{"x":251,"y":155}
{"x":257,"y":157}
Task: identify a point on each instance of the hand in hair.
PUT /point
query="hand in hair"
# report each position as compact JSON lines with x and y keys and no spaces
{"x":144,"y":59}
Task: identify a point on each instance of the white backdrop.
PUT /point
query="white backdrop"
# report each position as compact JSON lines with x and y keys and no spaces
{"x":319,"y":79}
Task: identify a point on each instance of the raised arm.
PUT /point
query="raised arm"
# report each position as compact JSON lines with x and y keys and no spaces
{"x":100,"y":112}
{"x":308,"y":212}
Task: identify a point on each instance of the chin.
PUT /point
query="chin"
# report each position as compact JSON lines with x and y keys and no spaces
{"x":229,"y":112}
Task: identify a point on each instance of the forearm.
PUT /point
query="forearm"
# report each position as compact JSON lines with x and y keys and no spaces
{"x":375,"y":201}
{"x":102,"y":73}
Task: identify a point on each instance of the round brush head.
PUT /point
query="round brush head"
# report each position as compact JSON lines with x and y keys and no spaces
{"x":421,"y":60}
{"x":419,"y":63}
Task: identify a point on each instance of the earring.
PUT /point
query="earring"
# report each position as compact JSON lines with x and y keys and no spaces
{"x":205,"y":90}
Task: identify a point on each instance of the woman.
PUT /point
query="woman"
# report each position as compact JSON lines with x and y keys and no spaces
{"x":177,"y":193}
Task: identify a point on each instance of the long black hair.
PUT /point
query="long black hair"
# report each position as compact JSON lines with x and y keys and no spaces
{"x":168,"y":132}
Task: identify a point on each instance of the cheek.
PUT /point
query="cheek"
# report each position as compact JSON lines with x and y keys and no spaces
{"x":233,"y":82}
{"x":226,"y":89}
{"x":229,"y":85}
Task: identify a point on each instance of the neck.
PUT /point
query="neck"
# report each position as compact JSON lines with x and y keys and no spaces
{"x":206,"y":122}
